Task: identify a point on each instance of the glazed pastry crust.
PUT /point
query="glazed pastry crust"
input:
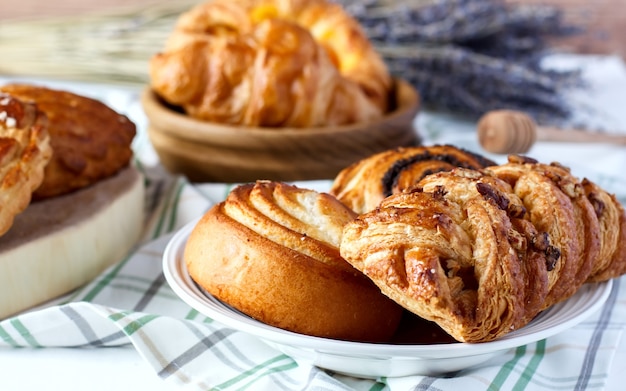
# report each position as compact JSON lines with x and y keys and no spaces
{"x":449,"y":253}
{"x":90,"y":141}
{"x":279,"y":63}
{"x":364,"y":184}
{"x":611,"y":260}
{"x":271,"y":251}
{"x":557,"y":205}
{"x":24,"y":152}
{"x":519,"y":238}
{"x":479,"y":251}
{"x":482,"y":252}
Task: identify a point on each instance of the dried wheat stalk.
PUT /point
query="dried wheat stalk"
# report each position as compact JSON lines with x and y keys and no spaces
{"x":467,"y":56}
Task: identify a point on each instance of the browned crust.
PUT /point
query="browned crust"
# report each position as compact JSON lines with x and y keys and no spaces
{"x":557,"y":205}
{"x":450,"y":253}
{"x":611,"y":261}
{"x":90,"y":141}
{"x":364,"y":184}
{"x":482,"y":252}
{"x":24,"y":152}
{"x":287,"y":63}
{"x":306,"y":288}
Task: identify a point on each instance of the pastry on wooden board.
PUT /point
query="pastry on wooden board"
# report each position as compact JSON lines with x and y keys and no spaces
{"x":76,"y":203}
{"x":90,"y":141}
{"x":24,"y":152}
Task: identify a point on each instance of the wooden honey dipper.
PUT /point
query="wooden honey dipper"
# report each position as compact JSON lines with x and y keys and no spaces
{"x":508,"y":132}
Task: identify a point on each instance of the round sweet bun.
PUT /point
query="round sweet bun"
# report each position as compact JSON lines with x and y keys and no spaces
{"x":90,"y":141}
{"x":263,"y":252}
{"x":61,"y":243}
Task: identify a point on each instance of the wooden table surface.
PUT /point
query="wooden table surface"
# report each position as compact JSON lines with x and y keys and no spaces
{"x":605,"y":20}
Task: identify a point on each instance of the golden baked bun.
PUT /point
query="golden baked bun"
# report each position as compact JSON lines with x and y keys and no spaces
{"x":24,"y":152}
{"x":364,"y":184}
{"x":451,"y":254}
{"x":270,"y":250}
{"x":278,"y":63}
{"x":90,"y":141}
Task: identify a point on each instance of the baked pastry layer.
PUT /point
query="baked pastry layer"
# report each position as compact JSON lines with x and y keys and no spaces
{"x":24,"y":152}
{"x":364,"y":184}
{"x":556,"y":204}
{"x":448,"y":255}
{"x":287,"y":63}
{"x":482,"y":252}
{"x":90,"y":141}
{"x":271,"y":251}
{"x":611,"y":260}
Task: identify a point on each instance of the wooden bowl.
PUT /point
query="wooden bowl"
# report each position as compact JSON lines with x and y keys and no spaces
{"x":211,"y":152}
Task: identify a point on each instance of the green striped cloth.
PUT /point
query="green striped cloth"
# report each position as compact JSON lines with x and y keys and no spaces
{"x":131,"y":303}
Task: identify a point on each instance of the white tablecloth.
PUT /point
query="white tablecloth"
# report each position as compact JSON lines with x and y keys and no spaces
{"x":124,"y":367}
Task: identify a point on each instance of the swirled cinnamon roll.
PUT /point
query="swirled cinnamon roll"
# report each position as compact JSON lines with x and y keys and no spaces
{"x":363,"y":185}
{"x":271,"y":250}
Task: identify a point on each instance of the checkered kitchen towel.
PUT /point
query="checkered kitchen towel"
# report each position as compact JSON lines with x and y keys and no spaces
{"x":131,"y":303}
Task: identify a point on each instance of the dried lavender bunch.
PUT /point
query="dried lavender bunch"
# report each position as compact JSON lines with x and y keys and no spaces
{"x":472,"y":56}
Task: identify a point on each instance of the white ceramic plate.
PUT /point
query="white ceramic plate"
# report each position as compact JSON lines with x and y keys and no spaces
{"x":373,"y":360}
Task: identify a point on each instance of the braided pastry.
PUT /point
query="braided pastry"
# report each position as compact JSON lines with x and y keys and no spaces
{"x":280,"y":63}
{"x":271,"y":251}
{"x":363,"y":185}
{"x":451,"y":254}
{"x":589,"y":222}
{"x":557,"y":205}
{"x":611,"y":260}
{"x":482,"y":252}
{"x":24,"y":152}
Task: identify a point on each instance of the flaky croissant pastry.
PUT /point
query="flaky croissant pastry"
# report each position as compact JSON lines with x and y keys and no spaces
{"x":279,"y":63}
{"x":589,"y":223}
{"x":611,"y":260}
{"x":450,"y":255}
{"x":557,"y":205}
{"x":271,"y":251}
{"x":364,"y":184}
{"x":482,"y":252}
{"x":24,"y":152}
